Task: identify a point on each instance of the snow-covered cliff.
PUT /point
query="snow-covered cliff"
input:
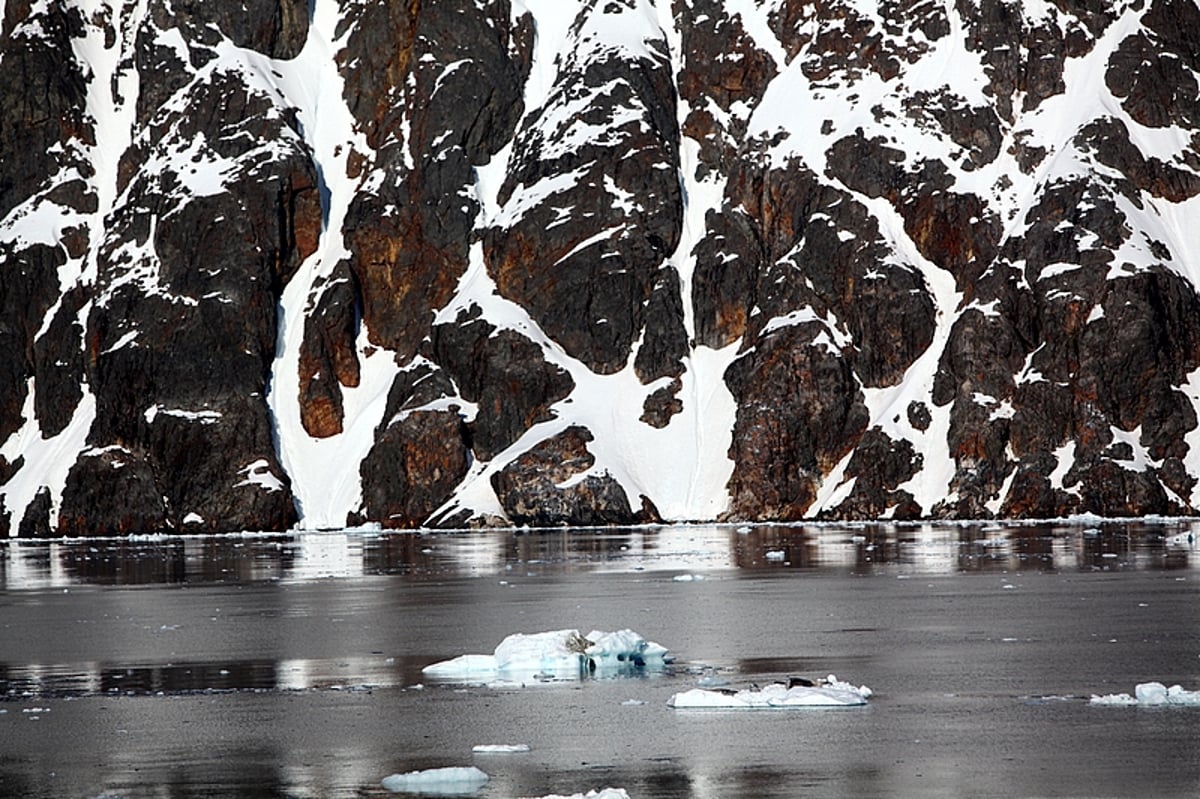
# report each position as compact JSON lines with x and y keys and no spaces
{"x":448,"y":262}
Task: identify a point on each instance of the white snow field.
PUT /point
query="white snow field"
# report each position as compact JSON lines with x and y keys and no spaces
{"x":1151,"y":694}
{"x":555,"y":655}
{"x":777,"y":696}
{"x":449,"y":781}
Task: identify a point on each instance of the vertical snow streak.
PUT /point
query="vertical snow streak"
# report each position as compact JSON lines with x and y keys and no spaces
{"x":709,"y":409}
{"x":324,"y":472}
{"x":552,"y":21}
{"x":112,"y":96}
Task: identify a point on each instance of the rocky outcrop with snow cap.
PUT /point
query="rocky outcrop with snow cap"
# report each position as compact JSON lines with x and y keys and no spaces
{"x":555,"y":262}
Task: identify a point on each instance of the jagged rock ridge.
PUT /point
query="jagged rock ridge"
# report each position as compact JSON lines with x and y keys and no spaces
{"x":551,"y":262}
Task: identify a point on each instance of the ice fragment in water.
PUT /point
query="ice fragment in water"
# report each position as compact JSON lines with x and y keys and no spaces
{"x":450,"y":781}
{"x":500,"y":749}
{"x":832,"y":692}
{"x":606,"y":793}
{"x":555,"y":655}
{"x":1151,"y":694}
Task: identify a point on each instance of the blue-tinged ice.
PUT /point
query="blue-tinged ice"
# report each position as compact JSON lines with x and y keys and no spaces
{"x":556,"y":655}
{"x":450,"y":781}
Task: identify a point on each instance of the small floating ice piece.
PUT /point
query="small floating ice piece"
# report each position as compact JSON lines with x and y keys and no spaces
{"x":606,"y":793}
{"x":711,"y":681}
{"x":1150,"y":694}
{"x":833,"y":693}
{"x":555,"y":655}
{"x":775,"y":555}
{"x":500,"y":749}
{"x":687,"y":578}
{"x":450,"y":781}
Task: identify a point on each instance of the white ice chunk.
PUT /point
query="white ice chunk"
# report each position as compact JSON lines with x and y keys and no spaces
{"x":462,"y":666}
{"x":500,"y":749}
{"x":450,"y":781}
{"x":833,"y":693}
{"x":559,"y":654}
{"x":605,"y":793}
{"x":1151,"y":694}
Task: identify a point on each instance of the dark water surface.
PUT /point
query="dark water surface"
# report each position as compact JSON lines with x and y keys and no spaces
{"x":291,"y":665}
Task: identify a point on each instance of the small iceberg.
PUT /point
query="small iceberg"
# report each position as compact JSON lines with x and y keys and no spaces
{"x":500,"y":749}
{"x":605,"y":793}
{"x":556,"y":655}
{"x":830,"y":692}
{"x":451,"y":781}
{"x":1151,"y":694}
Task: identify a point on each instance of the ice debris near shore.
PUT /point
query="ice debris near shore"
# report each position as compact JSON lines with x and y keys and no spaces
{"x":831,"y":692}
{"x":449,"y":781}
{"x":1151,"y":694}
{"x":555,"y":655}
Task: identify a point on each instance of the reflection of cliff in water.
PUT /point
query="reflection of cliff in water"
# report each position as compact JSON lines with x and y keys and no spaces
{"x":925,"y":548}
{"x":347,"y":673}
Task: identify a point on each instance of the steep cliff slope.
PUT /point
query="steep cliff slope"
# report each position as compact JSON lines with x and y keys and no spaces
{"x":546,"y":262}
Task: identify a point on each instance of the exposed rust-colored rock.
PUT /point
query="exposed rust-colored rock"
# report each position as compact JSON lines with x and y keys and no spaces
{"x":414,"y":466}
{"x":328,"y":357}
{"x":781,"y":451}
{"x":549,"y":486}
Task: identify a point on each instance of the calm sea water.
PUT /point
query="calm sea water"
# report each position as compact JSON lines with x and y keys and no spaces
{"x":291,"y":665}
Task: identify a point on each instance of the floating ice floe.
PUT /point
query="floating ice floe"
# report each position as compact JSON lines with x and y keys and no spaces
{"x":450,"y":781}
{"x":830,"y":692}
{"x":605,"y":793}
{"x":712,"y":681}
{"x":555,"y":655}
{"x":1151,"y":694}
{"x":500,"y":749}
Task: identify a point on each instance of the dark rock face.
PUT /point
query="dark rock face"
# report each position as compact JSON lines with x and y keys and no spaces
{"x":504,"y":374}
{"x":549,"y":486}
{"x":442,"y":263}
{"x":328,"y":359}
{"x":779,"y":456}
{"x":878,"y":467}
{"x":436,"y":90}
{"x":588,"y":283}
{"x":180,"y":322}
{"x":59,"y":366}
{"x":29,"y":290}
{"x":414,"y":467}
{"x":111,"y":492}
{"x":44,"y":121}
